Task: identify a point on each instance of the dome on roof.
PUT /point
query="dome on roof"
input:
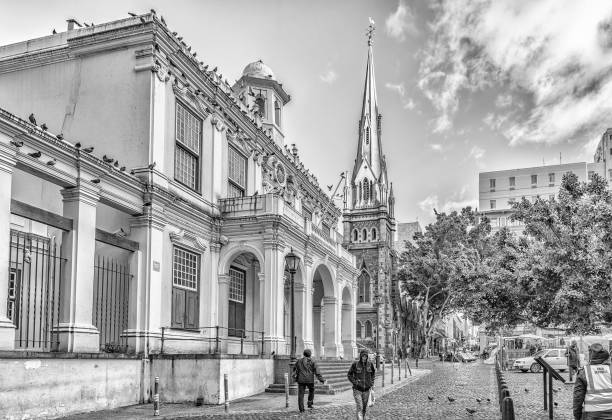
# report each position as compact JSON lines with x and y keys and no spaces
{"x":258,"y":69}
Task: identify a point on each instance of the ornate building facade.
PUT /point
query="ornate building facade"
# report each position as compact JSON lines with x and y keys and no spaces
{"x":369,"y":223}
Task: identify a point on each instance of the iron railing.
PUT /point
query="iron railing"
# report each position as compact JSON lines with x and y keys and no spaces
{"x":215,"y":340}
{"x":34,"y":290}
{"x":111,"y":303}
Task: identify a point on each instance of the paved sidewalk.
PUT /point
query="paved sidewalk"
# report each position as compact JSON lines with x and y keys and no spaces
{"x":256,"y":406}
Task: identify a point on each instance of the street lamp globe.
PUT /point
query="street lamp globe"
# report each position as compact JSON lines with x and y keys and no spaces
{"x":293,"y":261}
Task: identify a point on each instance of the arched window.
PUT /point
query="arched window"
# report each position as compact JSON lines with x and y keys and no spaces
{"x":366,"y":189}
{"x":358,"y":329}
{"x":364,"y":235}
{"x":368,"y":329}
{"x":372,"y":191}
{"x":363,"y":283}
{"x":374,"y":234}
{"x":360,"y":191}
{"x":261,"y":106}
{"x":277,"y":113}
{"x":355,"y":235}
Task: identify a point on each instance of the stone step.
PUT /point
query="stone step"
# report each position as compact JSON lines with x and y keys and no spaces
{"x":328,"y":389}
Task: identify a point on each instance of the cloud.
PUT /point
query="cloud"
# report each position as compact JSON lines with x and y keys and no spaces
{"x":328,"y":77}
{"x":401,"y":22}
{"x":477,"y":152}
{"x":455,"y":202}
{"x":557,"y":53}
{"x":400,"y":89}
{"x":436,"y":147}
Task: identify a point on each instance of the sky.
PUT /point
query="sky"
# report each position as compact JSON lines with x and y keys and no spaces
{"x":464,"y":86}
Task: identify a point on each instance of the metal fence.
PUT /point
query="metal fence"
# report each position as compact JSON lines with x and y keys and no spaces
{"x":34,"y":291}
{"x":110,"y":303}
{"x":215,"y":340}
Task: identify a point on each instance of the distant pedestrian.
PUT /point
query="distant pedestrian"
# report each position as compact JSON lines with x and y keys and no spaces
{"x":400,"y":355}
{"x":594,"y":387}
{"x":362,"y":374}
{"x":304,"y":374}
{"x":573,"y":359}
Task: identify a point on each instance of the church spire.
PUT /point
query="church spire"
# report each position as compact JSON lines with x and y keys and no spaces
{"x":369,"y":149}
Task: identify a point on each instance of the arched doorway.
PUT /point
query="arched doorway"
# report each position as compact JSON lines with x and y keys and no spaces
{"x":325,"y":326}
{"x":347,"y":324}
{"x":240,"y":300}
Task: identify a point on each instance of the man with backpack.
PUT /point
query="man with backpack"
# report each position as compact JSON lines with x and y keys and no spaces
{"x":304,"y":374}
{"x":362,"y":374}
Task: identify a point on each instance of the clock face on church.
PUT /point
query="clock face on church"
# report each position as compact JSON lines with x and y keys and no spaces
{"x":279,"y":174}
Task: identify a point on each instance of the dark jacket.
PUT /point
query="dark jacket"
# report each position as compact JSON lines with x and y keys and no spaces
{"x":572,"y":353}
{"x":580,"y":389}
{"x":306,"y":370}
{"x":362,"y":375}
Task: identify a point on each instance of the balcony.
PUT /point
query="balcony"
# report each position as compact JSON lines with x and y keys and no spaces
{"x":272,"y":204}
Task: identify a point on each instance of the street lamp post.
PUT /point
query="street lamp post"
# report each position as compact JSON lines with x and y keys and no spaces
{"x":377,"y":301}
{"x":292,"y":262}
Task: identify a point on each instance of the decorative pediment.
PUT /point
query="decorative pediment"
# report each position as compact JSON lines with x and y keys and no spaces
{"x":188,"y":239}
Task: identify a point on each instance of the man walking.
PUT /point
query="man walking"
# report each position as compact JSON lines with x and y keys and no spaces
{"x":573,"y":359}
{"x":594,"y":387}
{"x":362,"y":374}
{"x":305,"y":371}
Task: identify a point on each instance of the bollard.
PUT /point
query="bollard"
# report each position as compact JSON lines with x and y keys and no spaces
{"x":508,"y":411}
{"x":505,"y":394}
{"x":286,"y":390}
{"x":392,"y":373}
{"x":408,"y":365}
{"x":416,"y":362}
{"x":399,"y":369}
{"x":225,"y":385}
{"x":156,"y":397}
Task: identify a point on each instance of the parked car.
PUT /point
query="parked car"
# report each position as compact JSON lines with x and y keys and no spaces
{"x":466,"y":356}
{"x":554,"y":357}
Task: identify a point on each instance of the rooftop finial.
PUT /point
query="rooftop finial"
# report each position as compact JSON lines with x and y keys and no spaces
{"x":370,"y":31}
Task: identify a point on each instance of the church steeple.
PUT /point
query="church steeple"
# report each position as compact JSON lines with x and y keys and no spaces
{"x":370,"y":165}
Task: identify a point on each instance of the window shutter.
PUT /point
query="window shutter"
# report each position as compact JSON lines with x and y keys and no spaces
{"x":178,"y":308}
{"x":191,"y":310}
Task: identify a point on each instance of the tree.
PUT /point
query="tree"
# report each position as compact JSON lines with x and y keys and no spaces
{"x":431,"y":270}
{"x":566,"y":272}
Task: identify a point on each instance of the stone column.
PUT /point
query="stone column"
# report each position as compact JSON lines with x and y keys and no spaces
{"x":348,"y":329}
{"x":262,"y":301}
{"x":223,"y":311}
{"x":308,"y":309}
{"x":316,"y":333}
{"x":331,"y":335}
{"x":300,"y":319}
{"x":147,"y":308}
{"x":7,"y":163}
{"x":274,"y":296}
{"x":76,"y":332}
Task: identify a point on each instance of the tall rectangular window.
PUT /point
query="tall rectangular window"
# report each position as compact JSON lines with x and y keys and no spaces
{"x":534,"y":180}
{"x":236,"y":173}
{"x":188,"y":147}
{"x":236,"y":305}
{"x":493,"y":204}
{"x":492,"y":184}
{"x":551,"y":178}
{"x":512,"y":182}
{"x":185,"y":280}
{"x":591,"y":173}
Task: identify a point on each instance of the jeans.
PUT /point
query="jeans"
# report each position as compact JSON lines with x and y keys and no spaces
{"x":361,"y":402}
{"x":301,"y":390}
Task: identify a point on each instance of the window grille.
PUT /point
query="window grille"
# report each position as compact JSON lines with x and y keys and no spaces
{"x":188,"y":144}
{"x":237,"y":167}
{"x":236,"y":285}
{"x":185,"y":269}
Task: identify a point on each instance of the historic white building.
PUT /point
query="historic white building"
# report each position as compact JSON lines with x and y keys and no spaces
{"x":146,"y":211}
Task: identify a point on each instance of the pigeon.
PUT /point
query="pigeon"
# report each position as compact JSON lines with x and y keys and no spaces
{"x":116,"y":164}
{"x":17,"y":143}
{"x":206,"y":67}
{"x":107,"y":159}
{"x":132,"y":172}
{"x":555,"y":390}
{"x":132,"y":14}
{"x":32,"y":119}
{"x":526,"y":390}
{"x":180,"y":38}
{"x":470,"y":410}
{"x":215,"y":69}
{"x":430,"y":398}
{"x":51,"y":162}
{"x":147,"y":204}
{"x":88,"y":149}
{"x":96,"y":180}
{"x":142,"y":20}
{"x":329,"y":187}
{"x":450,"y":399}
{"x":152,"y":165}
{"x":175,"y":33}
{"x":153,"y":11}
{"x":488,"y":399}
{"x":35,"y":154}
{"x":556,"y":403}
{"x":122,"y":169}
{"x":54,"y":31}
{"x":44,"y":127}
{"x":60,"y":136}
{"x":478,"y":400}
{"x":163,"y":21}
{"x":77,"y":145}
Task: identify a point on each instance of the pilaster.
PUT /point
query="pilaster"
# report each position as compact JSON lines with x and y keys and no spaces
{"x":7,"y":163}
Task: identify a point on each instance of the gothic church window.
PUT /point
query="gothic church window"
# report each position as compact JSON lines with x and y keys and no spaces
{"x":368,"y":329}
{"x":374,"y":234}
{"x":366,"y":189}
{"x":358,"y":329}
{"x":364,"y":234}
{"x":363,"y":284}
{"x":355,"y":235}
